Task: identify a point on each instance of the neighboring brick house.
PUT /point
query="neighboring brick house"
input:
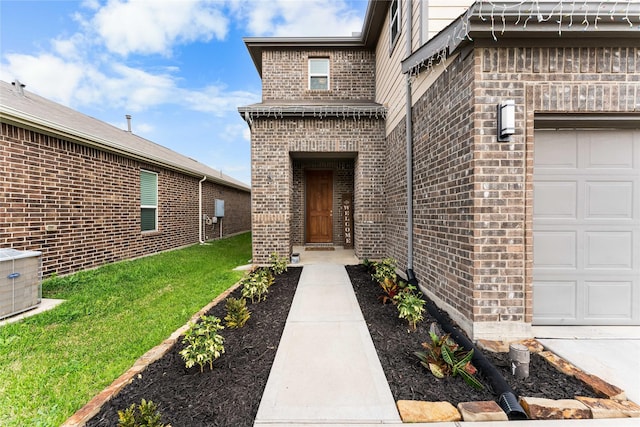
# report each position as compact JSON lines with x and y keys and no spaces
{"x":538,"y":227}
{"x":85,"y":193}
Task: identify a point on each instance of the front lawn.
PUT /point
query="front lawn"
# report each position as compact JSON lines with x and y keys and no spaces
{"x":53,"y":363}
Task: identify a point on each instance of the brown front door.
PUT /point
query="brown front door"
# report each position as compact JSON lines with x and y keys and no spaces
{"x":319,"y":206}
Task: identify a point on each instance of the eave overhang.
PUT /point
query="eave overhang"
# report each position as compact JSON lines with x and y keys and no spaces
{"x":366,"y":39}
{"x":21,"y":119}
{"x":354,"y":111}
{"x":532,"y":20}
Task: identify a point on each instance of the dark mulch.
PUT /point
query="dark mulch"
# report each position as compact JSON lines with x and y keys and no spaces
{"x":409,"y":380}
{"x":229,"y":394}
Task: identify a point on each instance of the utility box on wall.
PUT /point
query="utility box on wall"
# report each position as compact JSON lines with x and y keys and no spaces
{"x":219,"y":208}
{"x":20,"y":281}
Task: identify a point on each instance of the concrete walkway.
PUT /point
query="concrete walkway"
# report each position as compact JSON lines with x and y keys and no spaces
{"x":326,"y":369}
{"x":610,"y":352}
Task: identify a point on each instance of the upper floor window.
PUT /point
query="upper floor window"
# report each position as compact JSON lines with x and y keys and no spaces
{"x":148,"y":201}
{"x":424,"y":21}
{"x":394,"y":22}
{"x":319,"y":74}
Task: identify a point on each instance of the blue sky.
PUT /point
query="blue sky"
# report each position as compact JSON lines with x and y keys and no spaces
{"x":179,"y":67}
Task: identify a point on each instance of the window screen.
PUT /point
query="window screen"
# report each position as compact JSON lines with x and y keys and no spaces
{"x":319,"y":74}
{"x":394,"y":19}
{"x":148,"y":201}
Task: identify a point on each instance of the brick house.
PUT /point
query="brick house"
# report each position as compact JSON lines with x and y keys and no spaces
{"x":537,"y":223}
{"x":85,"y":193}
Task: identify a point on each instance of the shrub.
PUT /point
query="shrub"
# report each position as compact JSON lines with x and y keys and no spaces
{"x":237,"y":312}
{"x":278,"y":264}
{"x":255,"y":284}
{"x":410,"y":306}
{"x":145,"y":415}
{"x":203,"y":342}
{"x":445,"y":357}
{"x":385,"y":269}
{"x":369,"y":265}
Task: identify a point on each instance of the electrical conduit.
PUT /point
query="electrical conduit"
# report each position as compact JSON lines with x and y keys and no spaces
{"x":200,"y":239}
{"x":411,"y":277}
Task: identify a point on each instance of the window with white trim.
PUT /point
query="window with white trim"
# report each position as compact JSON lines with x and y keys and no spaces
{"x":318,"y":73}
{"x":394,"y":22}
{"x":424,"y":21}
{"x":148,"y":201}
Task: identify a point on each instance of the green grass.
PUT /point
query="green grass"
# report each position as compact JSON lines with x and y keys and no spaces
{"x":53,"y":363}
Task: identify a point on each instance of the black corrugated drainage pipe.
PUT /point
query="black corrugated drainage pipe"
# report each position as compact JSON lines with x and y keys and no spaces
{"x":507,"y":398}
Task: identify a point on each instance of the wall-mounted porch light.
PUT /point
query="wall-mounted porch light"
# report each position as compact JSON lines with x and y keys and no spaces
{"x":506,"y":120}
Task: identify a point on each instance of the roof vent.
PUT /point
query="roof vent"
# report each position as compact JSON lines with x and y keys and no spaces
{"x":128,"y":117}
{"x":19,"y":87}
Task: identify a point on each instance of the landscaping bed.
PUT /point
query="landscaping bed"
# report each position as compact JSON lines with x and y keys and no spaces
{"x":230,"y":393}
{"x":409,"y":380}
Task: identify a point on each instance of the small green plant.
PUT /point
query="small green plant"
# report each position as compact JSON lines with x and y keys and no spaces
{"x":443,"y":356}
{"x":203,"y":342}
{"x":255,"y":284}
{"x":237,"y":312}
{"x":145,"y":415}
{"x":385,"y":269}
{"x":368,"y":265}
{"x":278,"y":264}
{"x":410,"y":306}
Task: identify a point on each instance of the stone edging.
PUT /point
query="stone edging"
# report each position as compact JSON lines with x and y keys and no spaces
{"x":88,"y":411}
{"x":613,"y":404}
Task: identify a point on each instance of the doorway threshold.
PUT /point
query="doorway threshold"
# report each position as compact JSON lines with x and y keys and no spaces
{"x":315,"y":247}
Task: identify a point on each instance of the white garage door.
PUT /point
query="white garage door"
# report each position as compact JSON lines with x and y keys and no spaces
{"x":586,"y":227}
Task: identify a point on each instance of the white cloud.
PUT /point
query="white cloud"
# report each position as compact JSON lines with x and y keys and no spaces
{"x":216,"y":100}
{"x":90,"y":4}
{"x":235,"y":131}
{"x":48,"y":75}
{"x":78,"y":84}
{"x":70,"y":48}
{"x":296,"y":18}
{"x":150,"y":27}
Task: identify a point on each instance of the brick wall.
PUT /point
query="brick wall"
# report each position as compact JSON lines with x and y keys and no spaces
{"x":550,"y":80}
{"x":277,"y":180}
{"x":473,"y":195}
{"x":442,"y":180}
{"x":285,"y":75}
{"x":92,"y":198}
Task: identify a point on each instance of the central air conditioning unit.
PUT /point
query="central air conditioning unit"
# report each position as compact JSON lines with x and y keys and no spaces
{"x":20,"y":281}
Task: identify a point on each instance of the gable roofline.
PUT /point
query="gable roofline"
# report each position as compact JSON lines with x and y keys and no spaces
{"x":483,"y":21}
{"x":366,"y":39}
{"x":33,"y":112}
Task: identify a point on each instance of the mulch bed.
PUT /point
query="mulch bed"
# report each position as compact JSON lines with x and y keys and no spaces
{"x":229,"y":395}
{"x":409,"y":380}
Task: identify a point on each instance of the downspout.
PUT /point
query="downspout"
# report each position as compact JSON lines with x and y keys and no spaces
{"x":507,"y":398}
{"x":411,"y":277}
{"x":204,"y":178}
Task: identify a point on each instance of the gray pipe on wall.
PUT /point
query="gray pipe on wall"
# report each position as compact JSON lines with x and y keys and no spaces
{"x":409,"y":155}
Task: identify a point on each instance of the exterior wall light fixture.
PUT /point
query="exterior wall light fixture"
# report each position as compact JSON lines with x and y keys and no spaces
{"x":506,"y":120}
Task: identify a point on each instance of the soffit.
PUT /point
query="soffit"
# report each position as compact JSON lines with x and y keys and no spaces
{"x":484,"y":21}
